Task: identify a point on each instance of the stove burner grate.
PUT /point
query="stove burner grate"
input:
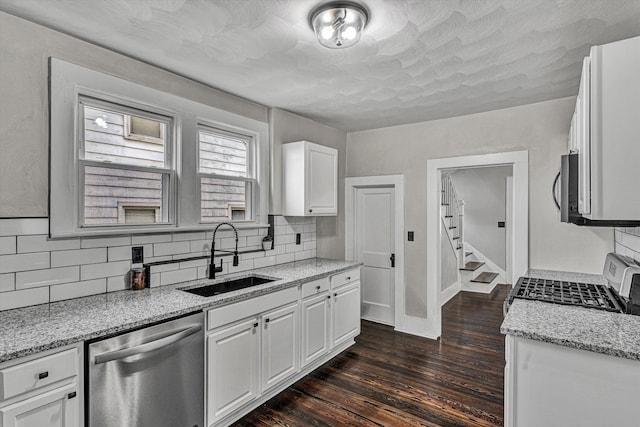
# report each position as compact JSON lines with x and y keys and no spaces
{"x":568,"y":293}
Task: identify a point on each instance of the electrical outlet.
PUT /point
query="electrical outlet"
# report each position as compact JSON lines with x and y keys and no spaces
{"x":298,"y":238}
{"x":137,"y":255}
{"x":410,"y":236}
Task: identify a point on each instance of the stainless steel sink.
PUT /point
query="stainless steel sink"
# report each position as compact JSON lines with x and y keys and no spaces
{"x":228,"y":286}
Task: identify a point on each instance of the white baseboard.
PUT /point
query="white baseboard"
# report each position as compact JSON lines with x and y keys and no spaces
{"x":450,"y":292}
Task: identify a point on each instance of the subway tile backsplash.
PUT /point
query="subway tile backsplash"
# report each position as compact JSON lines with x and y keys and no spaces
{"x":35,"y":270}
{"x":627,"y":242}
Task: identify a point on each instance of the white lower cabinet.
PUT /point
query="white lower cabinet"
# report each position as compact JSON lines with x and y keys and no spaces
{"x":42,"y":390}
{"x":257,"y":347}
{"x":345,"y":313}
{"x":315,"y":327}
{"x":232,"y":367}
{"x":279,"y":345}
{"x":549,"y":385}
{"x":51,"y":409}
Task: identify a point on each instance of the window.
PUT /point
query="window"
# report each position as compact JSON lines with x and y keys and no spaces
{"x":128,"y":159}
{"x":226,"y":177}
{"x":119,"y":174}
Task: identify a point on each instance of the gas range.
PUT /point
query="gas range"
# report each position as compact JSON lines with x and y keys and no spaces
{"x":620,"y":295}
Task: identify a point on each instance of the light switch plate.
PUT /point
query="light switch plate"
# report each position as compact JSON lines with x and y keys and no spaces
{"x":410,"y":236}
{"x":137,"y":255}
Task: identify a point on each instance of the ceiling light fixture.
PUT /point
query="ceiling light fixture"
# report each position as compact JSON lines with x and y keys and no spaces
{"x":338,"y":24}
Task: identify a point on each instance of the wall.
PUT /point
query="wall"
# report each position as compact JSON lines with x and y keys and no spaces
{"x":483,"y":191}
{"x":24,"y":143}
{"x":541,"y":128}
{"x":34,"y":270}
{"x":288,"y":127}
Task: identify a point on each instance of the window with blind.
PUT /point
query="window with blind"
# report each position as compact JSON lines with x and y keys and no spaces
{"x":225,"y":172}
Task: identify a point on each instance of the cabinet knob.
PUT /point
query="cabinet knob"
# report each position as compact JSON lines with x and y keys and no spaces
{"x":310,"y":210}
{"x":255,"y":325}
{"x":335,"y":295}
{"x":318,"y":287}
{"x":328,"y":296}
{"x":43,"y":375}
{"x":349,"y":278}
{"x":267,"y":320}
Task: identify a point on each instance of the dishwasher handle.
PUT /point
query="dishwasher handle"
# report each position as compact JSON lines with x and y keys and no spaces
{"x":147,"y":347}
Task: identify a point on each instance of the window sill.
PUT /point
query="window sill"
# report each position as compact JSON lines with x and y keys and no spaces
{"x":152,"y":230}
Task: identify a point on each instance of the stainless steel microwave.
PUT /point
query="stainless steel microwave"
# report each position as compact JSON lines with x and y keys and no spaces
{"x":568,"y":203}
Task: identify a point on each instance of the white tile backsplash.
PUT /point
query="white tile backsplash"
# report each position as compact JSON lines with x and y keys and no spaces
{"x":58,"y":269}
{"x":7,"y":245}
{"x":48,"y":277}
{"x":78,"y":257}
{"x":627,"y":242}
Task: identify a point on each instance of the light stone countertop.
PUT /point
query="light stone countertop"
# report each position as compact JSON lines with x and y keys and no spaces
{"x":42,"y":327}
{"x":583,"y":328}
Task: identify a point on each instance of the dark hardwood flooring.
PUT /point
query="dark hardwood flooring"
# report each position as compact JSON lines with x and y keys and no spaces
{"x":395,"y":379}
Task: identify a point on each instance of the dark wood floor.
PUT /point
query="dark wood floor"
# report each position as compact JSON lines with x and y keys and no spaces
{"x":395,"y":379}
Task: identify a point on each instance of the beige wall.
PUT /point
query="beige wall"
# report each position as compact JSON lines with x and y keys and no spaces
{"x":540,"y":128}
{"x":24,"y":51}
{"x":288,"y":127}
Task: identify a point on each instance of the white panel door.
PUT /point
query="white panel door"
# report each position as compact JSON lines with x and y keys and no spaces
{"x":56,"y":408}
{"x":315,"y":327}
{"x":345,"y":311}
{"x":279,"y":345}
{"x":232,"y":368}
{"x":375,"y":222}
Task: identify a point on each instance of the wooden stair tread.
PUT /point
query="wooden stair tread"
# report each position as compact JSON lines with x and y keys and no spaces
{"x":485,"y":277}
{"x":468,"y":253}
{"x":472,"y":266}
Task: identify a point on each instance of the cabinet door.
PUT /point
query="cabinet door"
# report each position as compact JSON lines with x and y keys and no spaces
{"x":321,"y":181}
{"x":279,"y":345}
{"x":315,"y":327}
{"x":583,"y":125}
{"x":232,"y":368}
{"x":55,"y":408}
{"x":345,"y":313}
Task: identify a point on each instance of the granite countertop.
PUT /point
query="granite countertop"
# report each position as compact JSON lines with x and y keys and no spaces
{"x":599,"y":331}
{"x":42,"y":327}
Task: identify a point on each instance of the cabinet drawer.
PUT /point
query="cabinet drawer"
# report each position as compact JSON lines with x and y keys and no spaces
{"x":315,"y":287}
{"x":344,"y":278}
{"x":230,"y":313}
{"x":37,"y":373}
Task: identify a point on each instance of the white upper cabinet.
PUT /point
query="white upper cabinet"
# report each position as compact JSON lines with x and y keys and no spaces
{"x":310,"y":179}
{"x":606,"y":132}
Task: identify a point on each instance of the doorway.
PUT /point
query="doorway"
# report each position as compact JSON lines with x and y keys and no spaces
{"x":519,"y":246}
{"x":374,"y":230}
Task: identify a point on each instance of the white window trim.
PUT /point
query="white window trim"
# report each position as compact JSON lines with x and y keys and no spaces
{"x":252,"y":202}
{"x":68,"y":81}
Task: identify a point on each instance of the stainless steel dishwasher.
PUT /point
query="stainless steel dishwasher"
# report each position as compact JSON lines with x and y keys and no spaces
{"x":150,"y":377}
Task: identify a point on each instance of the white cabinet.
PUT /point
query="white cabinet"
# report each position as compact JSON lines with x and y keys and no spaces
{"x":309,"y":179}
{"x":42,"y":390}
{"x":232,"y":368}
{"x":345,"y":311}
{"x":51,"y":409}
{"x":555,"y":386}
{"x":316,"y":322}
{"x":604,"y":132}
{"x":279,"y":345}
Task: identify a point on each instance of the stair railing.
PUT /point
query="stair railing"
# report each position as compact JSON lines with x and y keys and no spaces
{"x":453,"y":209}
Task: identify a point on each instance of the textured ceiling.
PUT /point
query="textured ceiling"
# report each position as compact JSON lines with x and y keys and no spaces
{"x":417,"y":60}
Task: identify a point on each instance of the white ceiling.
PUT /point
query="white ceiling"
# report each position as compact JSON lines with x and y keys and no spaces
{"x":417,"y":60}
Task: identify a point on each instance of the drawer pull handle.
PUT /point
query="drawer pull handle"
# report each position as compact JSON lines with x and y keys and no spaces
{"x":349,"y":278}
{"x":255,"y":325}
{"x":71,"y":395}
{"x":43,"y":375}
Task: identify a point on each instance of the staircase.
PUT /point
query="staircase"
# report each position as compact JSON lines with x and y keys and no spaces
{"x":473,"y":271}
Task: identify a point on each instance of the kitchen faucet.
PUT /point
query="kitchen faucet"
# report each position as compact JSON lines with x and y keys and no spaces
{"x":212,"y":265}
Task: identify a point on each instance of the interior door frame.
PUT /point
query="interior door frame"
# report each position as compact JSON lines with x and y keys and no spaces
{"x":397,"y":182}
{"x":520,"y":231}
